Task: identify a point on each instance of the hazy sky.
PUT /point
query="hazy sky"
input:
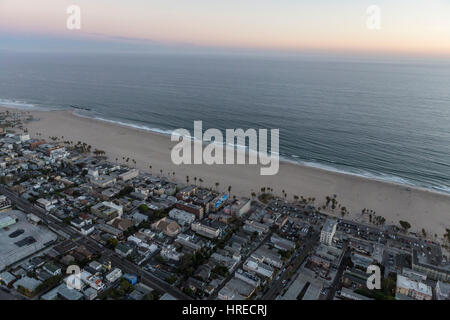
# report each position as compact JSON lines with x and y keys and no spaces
{"x":407,"y":26}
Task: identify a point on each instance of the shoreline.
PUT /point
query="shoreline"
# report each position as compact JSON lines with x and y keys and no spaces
{"x":423,"y":208}
{"x":307,"y":164}
{"x":160,"y":132}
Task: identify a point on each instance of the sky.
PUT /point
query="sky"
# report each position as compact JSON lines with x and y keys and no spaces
{"x":406,"y":26}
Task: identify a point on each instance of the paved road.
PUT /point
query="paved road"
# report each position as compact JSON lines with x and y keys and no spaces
{"x":337,"y":279}
{"x":213,"y":296}
{"x":277,"y":285}
{"x":8,"y":294}
{"x":29,"y":208}
{"x":124,"y":264}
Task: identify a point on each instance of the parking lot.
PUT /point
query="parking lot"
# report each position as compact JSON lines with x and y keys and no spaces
{"x":32,"y":239}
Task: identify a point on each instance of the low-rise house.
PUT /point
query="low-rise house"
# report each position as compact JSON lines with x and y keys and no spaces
{"x":28,"y":284}
{"x":91,"y":280}
{"x":128,"y":174}
{"x":114,"y":275}
{"x":62,"y":292}
{"x":248,"y":277}
{"x":205,"y":230}
{"x":181,"y":216}
{"x":52,"y":269}
{"x":442,"y":290}
{"x":123,"y":250}
{"x":107,"y":210}
{"x":254,"y":226}
{"x":6,"y":278}
{"x":169,"y":252}
{"x":407,"y":288}
{"x":167,"y":226}
{"x":259,"y":268}
{"x":268,"y":256}
{"x":281,"y":243}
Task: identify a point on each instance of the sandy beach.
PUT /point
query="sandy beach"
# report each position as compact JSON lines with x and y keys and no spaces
{"x":421,"y":208}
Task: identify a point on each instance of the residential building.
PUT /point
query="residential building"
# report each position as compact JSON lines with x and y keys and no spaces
{"x":241,"y":207}
{"x":259,"y":268}
{"x":107,"y":210}
{"x":407,"y":288}
{"x":167,"y":226}
{"x":328,"y":231}
{"x":123,"y":250}
{"x":205,"y":230}
{"x":181,"y":216}
{"x":442,"y":290}
{"x":191,"y":208}
{"x":128,"y":175}
{"x":114,"y":275}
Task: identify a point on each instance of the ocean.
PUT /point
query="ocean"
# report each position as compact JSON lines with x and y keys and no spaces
{"x":382,"y":119}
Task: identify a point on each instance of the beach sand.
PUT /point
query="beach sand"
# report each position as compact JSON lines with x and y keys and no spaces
{"x":420,"y":207}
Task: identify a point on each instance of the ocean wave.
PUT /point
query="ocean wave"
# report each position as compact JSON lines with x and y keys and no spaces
{"x":16,"y":104}
{"x":125,"y":124}
{"x":360,"y":173}
{"x":24,"y":105}
{"x":442,"y":188}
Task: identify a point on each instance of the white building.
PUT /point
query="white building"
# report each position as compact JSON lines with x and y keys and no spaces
{"x":328,"y":231}
{"x":91,"y":280}
{"x":44,"y":203}
{"x":407,"y":288}
{"x":23,"y":137}
{"x":169,"y":252}
{"x":130,"y":174}
{"x":7,"y":221}
{"x":114,"y":275}
{"x":181,"y":216}
{"x":261,"y":269}
{"x":205,"y":230}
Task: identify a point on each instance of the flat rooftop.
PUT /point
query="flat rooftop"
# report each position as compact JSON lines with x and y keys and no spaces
{"x":303,"y":282}
{"x":20,"y":244}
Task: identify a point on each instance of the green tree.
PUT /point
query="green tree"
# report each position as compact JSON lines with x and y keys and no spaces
{"x":405,"y":225}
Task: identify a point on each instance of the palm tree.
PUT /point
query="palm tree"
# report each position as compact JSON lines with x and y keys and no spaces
{"x":195,"y":180}
{"x":217,"y":185}
{"x":229,"y":190}
{"x":201,"y":181}
{"x":187,"y":179}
